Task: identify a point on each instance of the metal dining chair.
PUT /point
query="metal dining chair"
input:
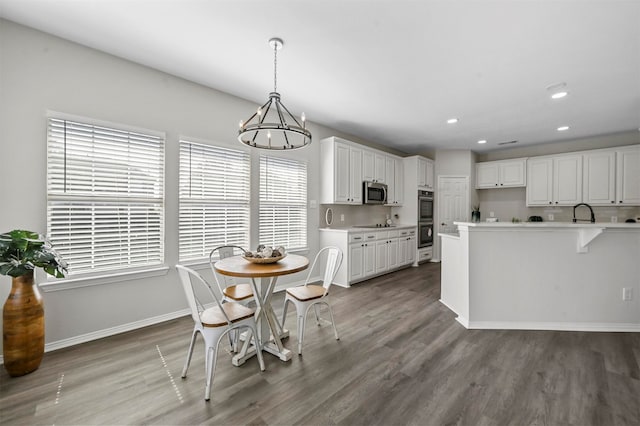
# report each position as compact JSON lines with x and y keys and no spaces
{"x":230,"y":290}
{"x":311,"y":295}
{"x":213,"y":323}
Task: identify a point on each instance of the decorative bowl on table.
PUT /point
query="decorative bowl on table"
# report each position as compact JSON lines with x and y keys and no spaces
{"x":265,"y":254}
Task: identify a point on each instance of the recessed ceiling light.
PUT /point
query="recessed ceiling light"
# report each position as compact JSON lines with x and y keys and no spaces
{"x":482,"y":141}
{"x":452,"y":120}
{"x":563,"y":128}
{"x":559,"y":95}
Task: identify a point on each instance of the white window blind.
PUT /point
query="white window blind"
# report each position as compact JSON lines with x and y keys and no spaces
{"x":283,"y":202}
{"x":105,"y":196}
{"x":214,"y":199}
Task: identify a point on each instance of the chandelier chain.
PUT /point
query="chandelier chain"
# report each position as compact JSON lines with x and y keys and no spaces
{"x":275,"y":67}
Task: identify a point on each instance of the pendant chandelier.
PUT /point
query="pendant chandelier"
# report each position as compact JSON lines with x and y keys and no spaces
{"x":272,"y":126}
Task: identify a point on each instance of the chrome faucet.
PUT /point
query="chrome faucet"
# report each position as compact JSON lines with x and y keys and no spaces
{"x":593,"y":218}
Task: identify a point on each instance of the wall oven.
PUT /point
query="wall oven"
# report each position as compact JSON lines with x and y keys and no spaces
{"x":425,"y":206}
{"x":425,"y":234}
{"x":374,"y":193}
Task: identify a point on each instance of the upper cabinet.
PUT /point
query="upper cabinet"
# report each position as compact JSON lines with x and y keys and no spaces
{"x":599,"y":177}
{"x":501,"y":174}
{"x":612,"y":176}
{"x":373,"y":166}
{"x":425,"y":173}
{"x":628,"y":175}
{"x":394,"y":168}
{"x":345,"y":165}
{"x":341,"y":164}
{"x":554,"y":180}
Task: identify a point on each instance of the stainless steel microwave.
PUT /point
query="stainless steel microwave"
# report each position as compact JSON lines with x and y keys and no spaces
{"x":374,"y":193}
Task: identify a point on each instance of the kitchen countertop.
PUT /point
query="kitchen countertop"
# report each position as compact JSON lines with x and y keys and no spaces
{"x":547,"y":225}
{"x":360,"y":229}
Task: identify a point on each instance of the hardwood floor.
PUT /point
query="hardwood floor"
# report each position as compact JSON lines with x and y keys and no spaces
{"x":401,"y":359}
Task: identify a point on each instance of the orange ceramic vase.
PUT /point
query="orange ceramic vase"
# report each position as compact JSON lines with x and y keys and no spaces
{"x":23,"y":327}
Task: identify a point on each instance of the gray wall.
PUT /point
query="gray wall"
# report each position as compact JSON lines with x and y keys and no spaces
{"x":42,"y":73}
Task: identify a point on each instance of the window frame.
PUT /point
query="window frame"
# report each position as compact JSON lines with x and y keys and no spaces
{"x":156,"y":180}
{"x":247,"y":165}
{"x":301,"y":204}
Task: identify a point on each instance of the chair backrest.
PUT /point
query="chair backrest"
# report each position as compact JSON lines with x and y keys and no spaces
{"x":190,"y":281}
{"x":222,"y":252}
{"x":333,"y":260}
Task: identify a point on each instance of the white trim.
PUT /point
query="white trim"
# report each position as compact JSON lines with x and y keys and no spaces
{"x":89,"y":281}
{"x":102,"y":123}
{"x":463,"y":321}
{"x":100,"y":334}
{"x":554,"y":326}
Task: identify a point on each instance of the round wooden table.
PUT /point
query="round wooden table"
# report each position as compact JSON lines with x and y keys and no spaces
{"x":270,"y":331}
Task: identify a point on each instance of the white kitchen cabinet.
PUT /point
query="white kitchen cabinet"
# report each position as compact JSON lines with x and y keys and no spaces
{"x":554,"y":180}
{"x":406,"y":246}
{"x":599,"y":177}
{"x":370,"y":253}
{"x":356,"y":259}
{"x":425,"y":173}
{"x":380,"y":168}
{"x":341,"y":164}
{"x":628,"y":175}
{"x":368,"y":165}
{"x":395,"y":180}
{"x":411,"y":248}
{"x":382,"y":256}
{"x":361,"y":257}
{"x":373,"y":166}
{"x":501,"y":174}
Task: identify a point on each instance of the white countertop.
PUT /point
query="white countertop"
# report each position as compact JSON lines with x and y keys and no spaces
{"x":546,"y":225}
{"x":359,"y":229}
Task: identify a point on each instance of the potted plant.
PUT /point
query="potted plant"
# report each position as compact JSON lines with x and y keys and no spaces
{"x":21,"y":252}
{"x":475,"y":214}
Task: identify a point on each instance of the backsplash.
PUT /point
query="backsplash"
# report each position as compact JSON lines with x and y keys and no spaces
{"x":509,"y":203}
{"x":354,"y":215}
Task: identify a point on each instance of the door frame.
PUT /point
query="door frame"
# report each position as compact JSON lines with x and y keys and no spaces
{"x":436,"y":219}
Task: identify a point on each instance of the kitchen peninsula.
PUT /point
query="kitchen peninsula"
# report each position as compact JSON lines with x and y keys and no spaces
{"x":543,"y":276}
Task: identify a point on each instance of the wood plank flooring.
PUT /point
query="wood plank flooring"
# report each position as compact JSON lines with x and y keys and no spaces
{"x":401,"y":359}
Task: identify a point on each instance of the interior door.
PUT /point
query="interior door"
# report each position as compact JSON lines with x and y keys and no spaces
{"x":453,"y":202}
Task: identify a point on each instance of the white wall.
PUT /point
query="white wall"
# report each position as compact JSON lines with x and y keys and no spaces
{"x":42,"y":73}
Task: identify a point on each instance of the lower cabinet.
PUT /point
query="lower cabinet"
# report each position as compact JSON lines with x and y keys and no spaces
{"x":370,"y":253}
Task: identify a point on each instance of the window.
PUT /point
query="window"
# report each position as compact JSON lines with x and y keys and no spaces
{"x":283,"y":202}
{"x":214,"y":199}
{"x":105,"y":196}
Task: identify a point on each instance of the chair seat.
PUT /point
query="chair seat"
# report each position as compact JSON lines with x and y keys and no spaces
{"x":238,"y":292}
{"x":308,"y":292}
{"x":213,"y":317}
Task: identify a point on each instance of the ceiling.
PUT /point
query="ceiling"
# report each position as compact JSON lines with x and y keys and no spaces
{"x":389,"y":71}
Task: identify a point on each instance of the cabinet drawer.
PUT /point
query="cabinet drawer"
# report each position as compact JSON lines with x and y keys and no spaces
{"x":371,"y":236}
{"x":356,"y":238}
{"x":393,"y":234}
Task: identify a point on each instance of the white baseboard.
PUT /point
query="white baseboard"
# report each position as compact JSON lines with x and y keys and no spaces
{"x":95,"y":335}
{"x":83,"y":338}
{"x":553,"y":326}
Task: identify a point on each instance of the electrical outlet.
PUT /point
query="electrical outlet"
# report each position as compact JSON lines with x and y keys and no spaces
{"x":341,"y":217}
{"x":550,"y":216}
{"x":627,"y":294}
